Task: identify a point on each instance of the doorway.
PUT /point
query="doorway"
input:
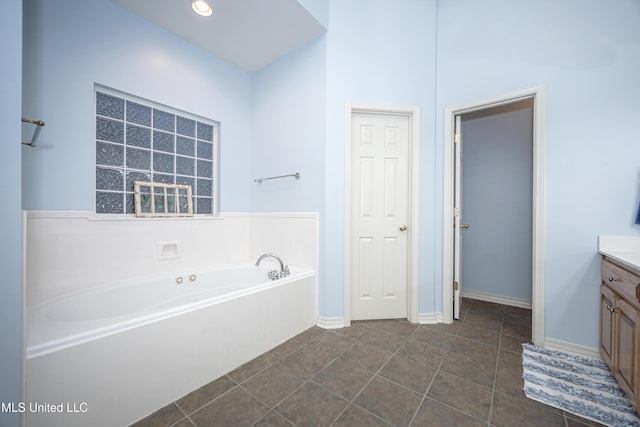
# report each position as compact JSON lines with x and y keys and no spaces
{"x":496,"y":204}
{"x":452,"y":214}
{"x":381,"y":213}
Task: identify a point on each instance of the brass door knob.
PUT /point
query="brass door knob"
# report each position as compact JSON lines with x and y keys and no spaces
{"x":464,"y":225}
{"x":403,"y":227}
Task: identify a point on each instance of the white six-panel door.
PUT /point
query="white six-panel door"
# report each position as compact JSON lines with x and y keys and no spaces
{"x":379,"y":215}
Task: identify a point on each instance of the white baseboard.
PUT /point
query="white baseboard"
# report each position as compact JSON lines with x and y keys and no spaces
{"x":330,"y":322}
{"x":582,"y":350}
{"x":338,"y":322}
{"x":429,"y":318}
{"x":499,"y":299}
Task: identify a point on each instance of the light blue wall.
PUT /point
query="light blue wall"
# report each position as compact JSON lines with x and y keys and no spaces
{"x":71,"y":45}
{"x":497,"y":201}
{"x":288,"y":104}
{"x":378,"y":53}
{"x":425,"y":53}
{"x":11,"y":303}
{"x":288,"y":131}
{"x":587,"y":53}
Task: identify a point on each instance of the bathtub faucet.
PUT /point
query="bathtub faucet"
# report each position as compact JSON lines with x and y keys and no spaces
{"x":274,"y":275}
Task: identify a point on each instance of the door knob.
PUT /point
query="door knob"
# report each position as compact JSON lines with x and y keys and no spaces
{"x":403,"y":227}
{"x":464,"y":225}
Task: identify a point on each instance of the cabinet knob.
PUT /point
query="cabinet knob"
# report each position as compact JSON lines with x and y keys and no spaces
{"x":611,"y":279}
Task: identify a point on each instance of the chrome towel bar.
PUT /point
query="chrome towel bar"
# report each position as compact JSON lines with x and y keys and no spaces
{"x":295,"y":175}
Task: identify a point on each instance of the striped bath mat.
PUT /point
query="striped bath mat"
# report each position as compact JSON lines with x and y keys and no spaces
{"x":577,"y":384}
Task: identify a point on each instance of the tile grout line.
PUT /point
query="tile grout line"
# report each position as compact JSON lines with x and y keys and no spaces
{"x":375,"y":374}
{"x":306,"y":380}
{"x":424,"y":396}
{"x":495,"y":374}
{"x":272,"y":363}
{"x":350,"y":402}
{"x":186,"y":416}
{"x":240,"y":384}
{"x":199,"y":408}
{"x":342,"y":346}
{"x":464,"y":317}
{"x":273,"y":408}
{"x":279,"y":360}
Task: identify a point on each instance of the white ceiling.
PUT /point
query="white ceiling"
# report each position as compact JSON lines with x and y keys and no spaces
{"x":247,"y":33}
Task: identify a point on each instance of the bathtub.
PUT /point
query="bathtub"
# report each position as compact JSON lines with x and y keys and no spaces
{"x":110,"y":356}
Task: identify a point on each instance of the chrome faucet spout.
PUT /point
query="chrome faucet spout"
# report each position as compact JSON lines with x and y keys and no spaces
{"x":274,"y":275}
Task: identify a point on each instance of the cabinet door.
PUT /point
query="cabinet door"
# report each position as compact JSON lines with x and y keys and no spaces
{"x":607,"y":302}
{"x":626,"y":348}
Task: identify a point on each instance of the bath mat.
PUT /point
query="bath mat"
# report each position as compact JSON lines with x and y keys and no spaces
{"x":581,"y":385}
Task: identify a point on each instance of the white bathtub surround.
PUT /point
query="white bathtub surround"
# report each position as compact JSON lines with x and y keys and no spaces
{"x":124,"y":365}
{"x":73,"y":251}
{"x":70,"y":251}
{"x":293,"y":236}
{"x":168,"y":250}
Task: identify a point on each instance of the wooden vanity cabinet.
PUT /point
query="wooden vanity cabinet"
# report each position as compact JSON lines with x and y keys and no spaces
{"x":619,"y":326}
{"x":607,"y":300}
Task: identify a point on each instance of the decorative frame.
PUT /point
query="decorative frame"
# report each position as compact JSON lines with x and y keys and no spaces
{"x":155,"y":199}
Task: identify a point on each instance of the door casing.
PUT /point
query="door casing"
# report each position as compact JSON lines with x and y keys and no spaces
{"x":413,"y":114}
{"x":538,"y":94}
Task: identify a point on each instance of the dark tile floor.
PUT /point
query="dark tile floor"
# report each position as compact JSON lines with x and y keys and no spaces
{"x":380,"y":373}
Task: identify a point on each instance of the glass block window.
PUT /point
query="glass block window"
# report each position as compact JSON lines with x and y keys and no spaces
{"x":139,"y":140}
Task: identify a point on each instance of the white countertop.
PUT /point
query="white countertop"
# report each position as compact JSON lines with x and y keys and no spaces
{"x":625,"y":250}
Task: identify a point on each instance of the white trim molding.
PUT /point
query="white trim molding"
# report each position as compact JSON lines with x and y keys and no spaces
{"x":330,"y":322}
{"x":413,"y":113}
{"x":498,"y":299}
{"x":429,"y":318}
{"x":538,"y":94}
{"x":582,"y":350}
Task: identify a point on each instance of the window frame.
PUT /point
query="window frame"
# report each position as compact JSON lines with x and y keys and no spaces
{"x":129,"y":193}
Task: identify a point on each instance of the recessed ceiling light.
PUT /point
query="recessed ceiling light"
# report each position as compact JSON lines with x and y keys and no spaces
{"x":201,"y":8}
